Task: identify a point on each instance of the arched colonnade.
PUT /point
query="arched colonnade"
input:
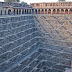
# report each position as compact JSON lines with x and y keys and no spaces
{"x":10,"y":11}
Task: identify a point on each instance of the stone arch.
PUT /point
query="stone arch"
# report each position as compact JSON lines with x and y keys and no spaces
{"x":9,"y":11}
{"x":66,"y":11}
{"x":45,"y":11}
{"x":35,"y":11}
{"x":58,"y":11}
{"x":49,"y":11}
{"x":42,"y":11}
{"x":38,"y":11}
{"x":54,"y":11}
{"x":70,"y":11}
{"x":62,"y":11}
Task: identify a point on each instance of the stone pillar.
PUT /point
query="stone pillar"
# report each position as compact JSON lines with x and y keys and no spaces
{"x":28,"y":11}
{"x":64,"y":11}
{"x":18,"y":11}
{"x":15,"y":11}
{"x":0,"y":12}
{"x":60,"y":11}
{"x":51,"y":11}
{"x":56,"y":11}
{"x":6,"y":11}
{"x":21,"y":11}
{"x":12,"y":11}
{"x":31,"y":11}
{"x":47,"y":11}
{"x":34,"y":11}
{"x":68,"y":11}
{"x":40,"y":11}
{"x":37,"y":11}
{"x":44,"y":11}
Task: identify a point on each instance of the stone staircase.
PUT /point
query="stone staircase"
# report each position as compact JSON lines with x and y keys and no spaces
{"x":35,"y":43}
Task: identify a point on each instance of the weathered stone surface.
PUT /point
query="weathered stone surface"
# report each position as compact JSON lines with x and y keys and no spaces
{"x":29,"y":44}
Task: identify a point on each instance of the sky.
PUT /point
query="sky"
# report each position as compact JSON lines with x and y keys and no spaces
{"x":37,"y":1}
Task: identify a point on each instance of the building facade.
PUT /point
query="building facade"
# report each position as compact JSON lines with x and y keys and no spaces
{"x":36,"y":8}
{"x":53,"y":8}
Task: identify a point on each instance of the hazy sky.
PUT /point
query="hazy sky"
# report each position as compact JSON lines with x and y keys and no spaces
{"x":35,"y":1}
